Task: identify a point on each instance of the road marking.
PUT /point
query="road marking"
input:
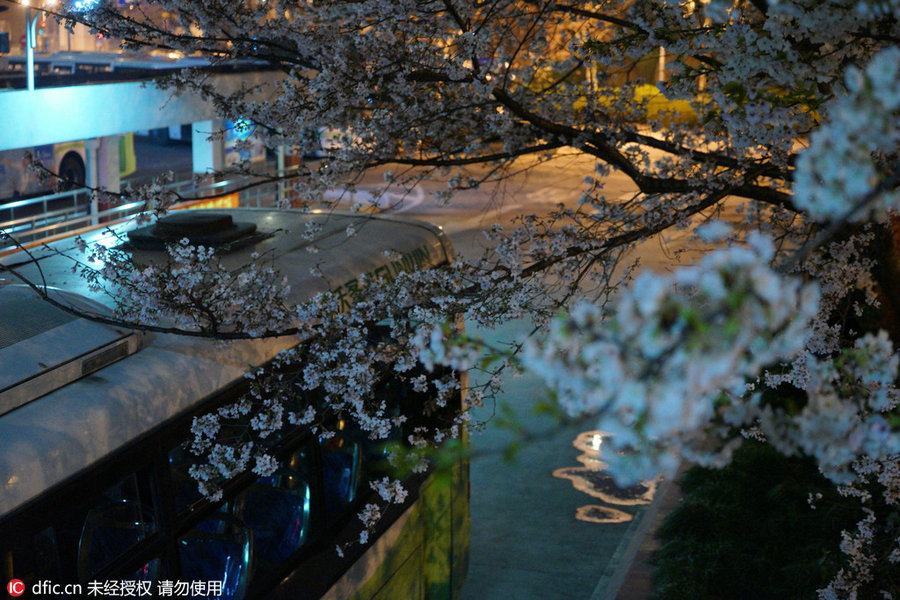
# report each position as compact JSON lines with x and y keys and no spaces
{"x":386,"y":200}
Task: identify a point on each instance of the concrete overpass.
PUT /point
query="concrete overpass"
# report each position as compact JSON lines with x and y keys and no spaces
{"x":99,"y":113}
{"x":62,"y":114}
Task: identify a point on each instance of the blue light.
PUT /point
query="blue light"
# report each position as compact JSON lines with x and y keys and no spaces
{"x":85,"y":5}
{"x":243,"y":128}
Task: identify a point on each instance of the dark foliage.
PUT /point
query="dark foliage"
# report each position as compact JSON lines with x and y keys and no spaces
{"x":748,"y":532}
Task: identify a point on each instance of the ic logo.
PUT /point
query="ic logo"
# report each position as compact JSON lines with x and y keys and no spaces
{"x":15,"y":587}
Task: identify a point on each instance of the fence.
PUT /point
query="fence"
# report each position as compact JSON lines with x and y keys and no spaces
{"x":32,"y":220}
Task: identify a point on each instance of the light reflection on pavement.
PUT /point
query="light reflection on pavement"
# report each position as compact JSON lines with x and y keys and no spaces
{"x":593,"y":481}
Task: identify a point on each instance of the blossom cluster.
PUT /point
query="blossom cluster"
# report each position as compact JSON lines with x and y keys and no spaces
{"x":193,"y":289}
{"x":849,"y":399}
{"x":839,"y":175}
{"x":675,"y":364}
{"x":675,"y":348}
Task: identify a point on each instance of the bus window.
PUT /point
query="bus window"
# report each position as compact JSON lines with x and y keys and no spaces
{"x":375,"y":452}
{"x":219,"y":549}
{"x":34,"y":559}
{"x":341,"y":472}
{"x":186,"y":491}
{"x":279,"y":511}
{"x":124,"y":517}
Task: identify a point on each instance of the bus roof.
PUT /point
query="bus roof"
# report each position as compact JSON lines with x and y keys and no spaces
{"x":50,"y":439}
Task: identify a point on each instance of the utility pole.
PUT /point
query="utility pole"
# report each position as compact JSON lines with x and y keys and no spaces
{"x":30,"y":43}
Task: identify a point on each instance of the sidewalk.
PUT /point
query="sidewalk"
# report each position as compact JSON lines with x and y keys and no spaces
{"x":633,"y":579}
{"x":526,"y":542}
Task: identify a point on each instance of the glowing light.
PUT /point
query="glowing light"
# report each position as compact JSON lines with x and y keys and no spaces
{"x":593,"y":481}
{"x":241,"y":128}
{"x":85,"y":5}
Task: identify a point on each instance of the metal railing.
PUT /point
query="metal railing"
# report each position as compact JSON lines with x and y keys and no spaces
{"x":31,"y":220}
{"x":34,"y":219}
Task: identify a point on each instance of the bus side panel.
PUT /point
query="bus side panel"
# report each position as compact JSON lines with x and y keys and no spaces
{"x":428,"y":558}
{"x":436,"y":495}
{"x":461,"y":501}
{"x":57,"y":151}
{"x":10,"y":164}
{"x":393,"y":562}
{"x":407,"y":581}
{"x":45,"y":155}
{"x":16,"y":179}
{"x":461,"y":517}
{"x":127,"y":158}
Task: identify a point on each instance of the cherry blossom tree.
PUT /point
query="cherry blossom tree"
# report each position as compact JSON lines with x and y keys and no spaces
{"x":785,"y":113}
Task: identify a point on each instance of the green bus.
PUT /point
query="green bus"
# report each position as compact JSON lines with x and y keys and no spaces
{"x":95,"y":500}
